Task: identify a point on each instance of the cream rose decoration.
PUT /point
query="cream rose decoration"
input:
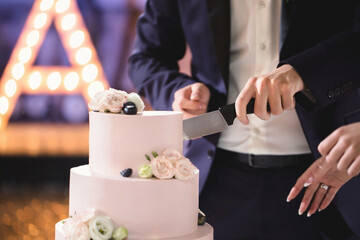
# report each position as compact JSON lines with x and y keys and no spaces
{"x":80,"y":232}
{"x":172,"y":155}
{"x":112,"y":100}
{"x":184,"y":169}
{"x":101,"y":228}
{"x":162,"y":167}
{"x":97,"y":103}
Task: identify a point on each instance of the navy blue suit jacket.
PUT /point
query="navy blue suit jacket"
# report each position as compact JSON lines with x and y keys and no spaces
{"x":320,"y":39}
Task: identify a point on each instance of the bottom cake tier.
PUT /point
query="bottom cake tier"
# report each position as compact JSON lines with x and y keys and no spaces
{"x":147,"y":208}
{"x":204,"y":232}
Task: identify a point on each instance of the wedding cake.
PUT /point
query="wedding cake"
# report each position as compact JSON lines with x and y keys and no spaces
{"x":137,"y":185}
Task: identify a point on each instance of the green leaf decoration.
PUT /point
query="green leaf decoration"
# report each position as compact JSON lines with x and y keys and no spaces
{"x":155,"y":154}
{"x":147,"y":157}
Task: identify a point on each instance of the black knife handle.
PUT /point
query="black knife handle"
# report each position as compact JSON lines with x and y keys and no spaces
{"x":229,"y":112}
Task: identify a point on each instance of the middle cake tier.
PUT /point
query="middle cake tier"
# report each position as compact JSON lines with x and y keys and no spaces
{"x":148,"y":208}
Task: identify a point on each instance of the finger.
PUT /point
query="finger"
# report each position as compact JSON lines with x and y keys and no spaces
{"x":336,"y":153}
{"x":275,"y":101}
{"x":328,"y":143}
{"x":261,"y":100}
{"x":316,"y":171}
{"x":308,"y":195}
{"x":346,"y":160}
{"x":354,"y":168}
{"x":196,"y":91}
{"x":317,"y":200}
{"x":328,"y":198}
{"x":242,"y":101}
{"x":186,"y":105}
{"x":288,"y":100}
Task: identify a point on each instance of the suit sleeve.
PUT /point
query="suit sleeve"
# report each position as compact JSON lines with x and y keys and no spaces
{"x":329,"y":70}
{"x":160,"y":44}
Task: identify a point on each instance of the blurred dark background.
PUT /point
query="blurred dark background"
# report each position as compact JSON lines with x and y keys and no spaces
{"x":48,"y":134}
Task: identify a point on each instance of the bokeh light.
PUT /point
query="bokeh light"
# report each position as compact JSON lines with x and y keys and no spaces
{"x":71,"y":81}
{"x":68,"y":21}
{"x":33,"y":38}
{"x":35,"y":80}
{"x":10,"y":88}
{"x":46,"y":5}
{"x":94,"y":88}
{"x":40,"y":20}
{"x":4,"y":105}
{"x":17,"y":71}
{"x":24,"y":55}
{"x":89,"y":73}
{"x":54,"y":80}
{"x":77,"y":39}
{"x":83,"y":55}
{"x":62,"y":6}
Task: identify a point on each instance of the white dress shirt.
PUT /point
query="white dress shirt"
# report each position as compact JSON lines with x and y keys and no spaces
{"x":254,"y":50}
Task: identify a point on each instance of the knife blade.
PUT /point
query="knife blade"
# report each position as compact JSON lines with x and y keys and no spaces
{"x":213,"y":122}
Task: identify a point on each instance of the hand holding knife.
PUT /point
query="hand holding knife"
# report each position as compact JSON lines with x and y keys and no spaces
{"x":213,"y":122}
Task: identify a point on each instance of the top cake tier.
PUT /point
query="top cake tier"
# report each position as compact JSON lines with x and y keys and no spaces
{"x":119,"y":141}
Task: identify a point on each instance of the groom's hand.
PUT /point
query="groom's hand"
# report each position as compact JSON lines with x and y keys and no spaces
{"x":192,"y":100}
{"x":276,"y":88}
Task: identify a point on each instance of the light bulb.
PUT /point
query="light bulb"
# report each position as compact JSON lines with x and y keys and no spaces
{"x":76,"y":39}
{"x":83,"y":55}
{"x":40,"y":20}
{"x":68,"y":22}
{"x":35,"y":80}
{"x":4,"y":105}
{"x":94,"y":88}
{"x":71,"y":81}
{"x":89,"y":73}
{"x":54,"y":80}
{"x":17,"y":71}
{"x":24,"y":55}
{"x":62,"y":5}
{"x":46,"y":5}
{"x":10,"y":88}
{"x":32,"y":38}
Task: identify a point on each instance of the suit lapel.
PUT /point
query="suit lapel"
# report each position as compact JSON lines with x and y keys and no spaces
{"x":219,"y":18}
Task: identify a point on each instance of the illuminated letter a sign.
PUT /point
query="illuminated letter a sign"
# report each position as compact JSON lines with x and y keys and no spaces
{"x":20,"y":76}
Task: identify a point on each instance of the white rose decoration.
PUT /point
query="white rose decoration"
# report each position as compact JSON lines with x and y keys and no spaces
{"x":172,"y":155}
{"x":101,"y":228}
{"x":80,"y":232}
{"x":184,"y":169}
{"x":162,"y":167}
{"x":114,"y":100}
{"x":97,"y":103}
{"x":136,"y":99}
{"x":84,"y":216}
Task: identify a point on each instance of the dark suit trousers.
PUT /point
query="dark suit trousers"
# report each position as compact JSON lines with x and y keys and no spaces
{"x":243,"y":202}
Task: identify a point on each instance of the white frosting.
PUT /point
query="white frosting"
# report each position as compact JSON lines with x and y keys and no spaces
{"x":148,"y":208}
{"x":119,"y":141}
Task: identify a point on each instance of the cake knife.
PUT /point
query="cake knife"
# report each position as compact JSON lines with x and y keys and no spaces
{"x":213,"y":122}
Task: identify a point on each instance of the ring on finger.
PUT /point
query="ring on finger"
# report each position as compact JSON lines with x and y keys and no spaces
{"x":324,"y":186}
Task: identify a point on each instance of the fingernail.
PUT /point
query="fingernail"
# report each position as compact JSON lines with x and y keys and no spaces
{"x":300,"y":212}
{"x":308,"y":214}
{"x":288,"y":199}
{"x":319,"y":210}
{"x":309,"y":181}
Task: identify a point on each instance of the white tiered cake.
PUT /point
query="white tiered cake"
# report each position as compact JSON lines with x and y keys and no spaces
{"x":149,"y":208}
